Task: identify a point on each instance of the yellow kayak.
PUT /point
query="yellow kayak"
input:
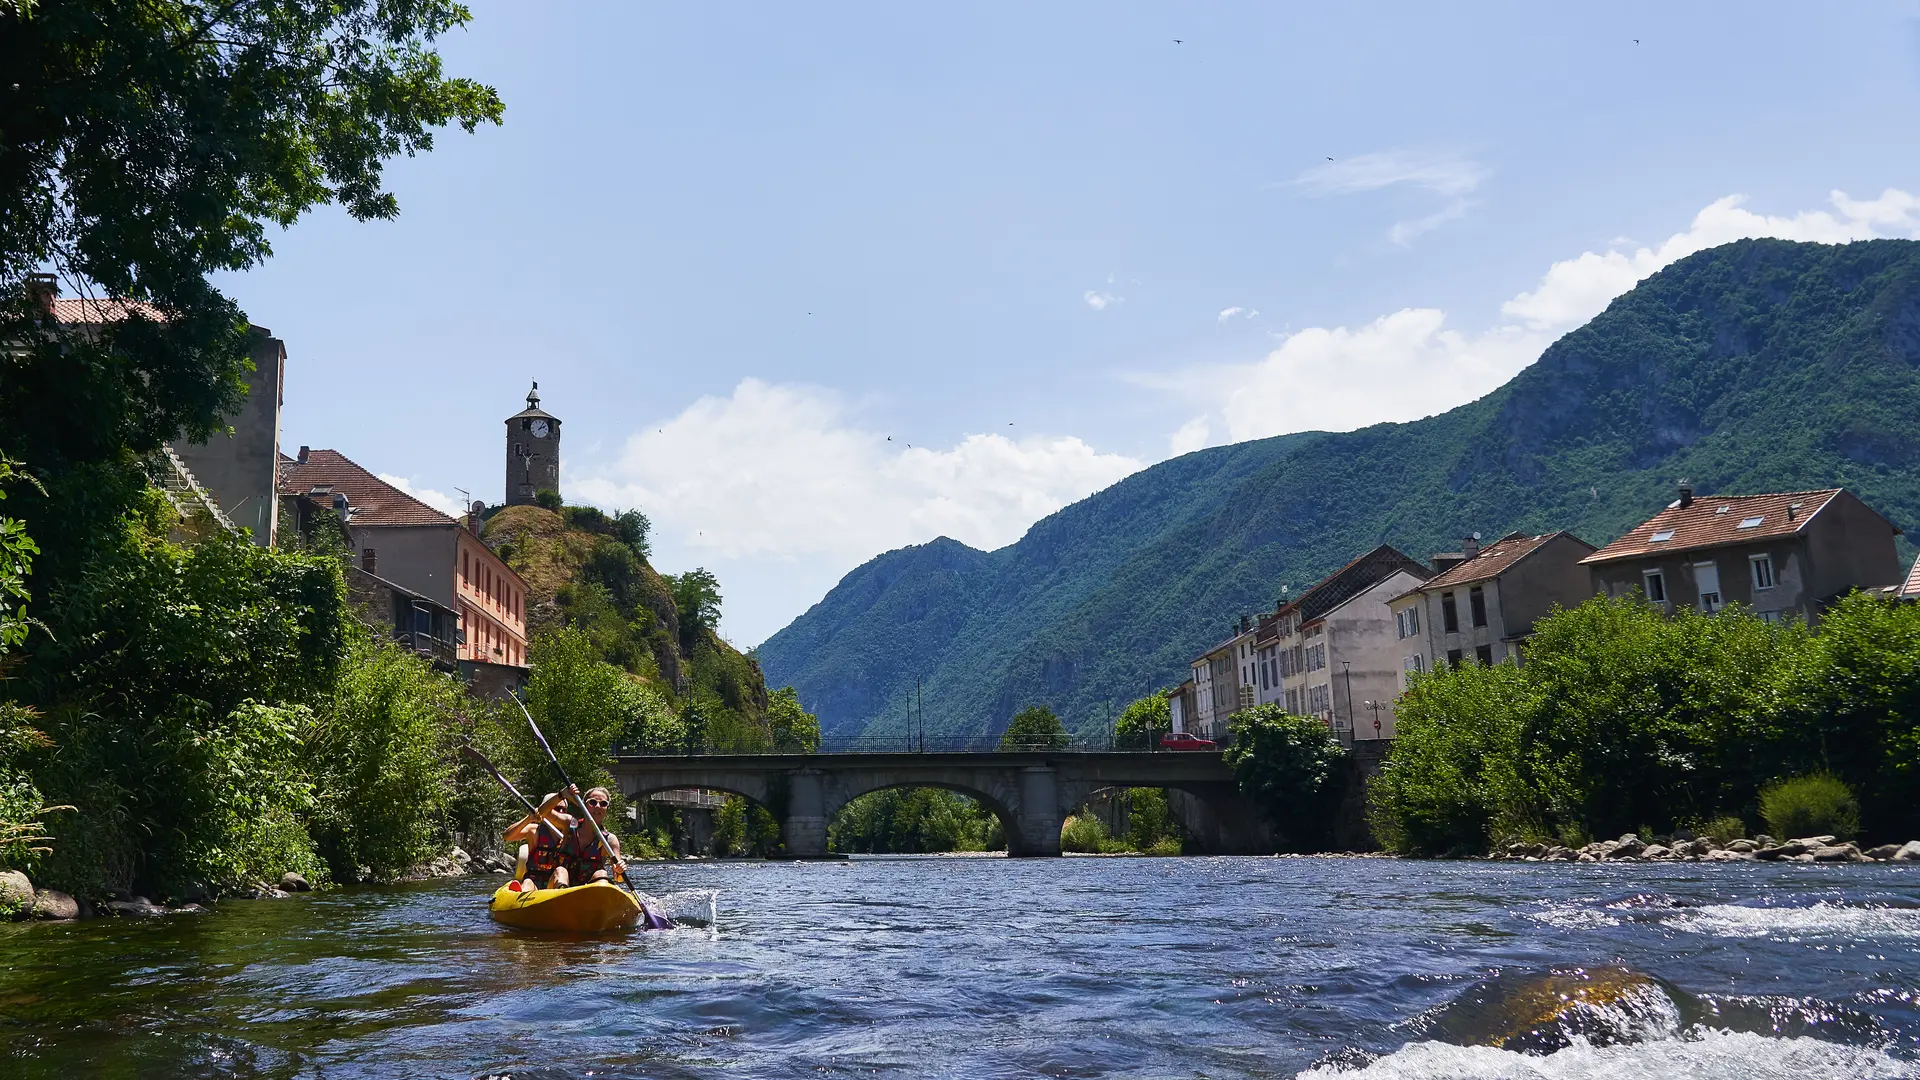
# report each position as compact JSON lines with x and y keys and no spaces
{"x":593,"y":908}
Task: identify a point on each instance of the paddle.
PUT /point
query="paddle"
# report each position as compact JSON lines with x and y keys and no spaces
{"x":567,"y":785}
{"x":481,"y":759}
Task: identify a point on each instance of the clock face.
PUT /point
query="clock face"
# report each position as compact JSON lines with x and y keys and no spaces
{"x":539,"y":429}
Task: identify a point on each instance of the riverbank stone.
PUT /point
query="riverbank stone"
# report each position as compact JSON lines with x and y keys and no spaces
{"x":16,"y":894}
{"x":1838,"y":853}
{"x":138,"y":907}
{"x":54,"y":906}
{"x":292,"y":882}
{"x":260,"y":890}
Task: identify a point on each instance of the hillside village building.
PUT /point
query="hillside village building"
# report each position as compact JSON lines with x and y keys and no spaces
{"x":1784,"y":554}
{"x":399,"y":539}
{"x":1482,"y":605}
{"x":236,"y":467}
{"x":1338,"y":657}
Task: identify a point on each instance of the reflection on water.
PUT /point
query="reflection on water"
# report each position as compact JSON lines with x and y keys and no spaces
{"x":986,"y":967}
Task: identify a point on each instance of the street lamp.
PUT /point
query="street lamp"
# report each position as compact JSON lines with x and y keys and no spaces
{"x":1376,"y":706}
{"x":1347,"y":667}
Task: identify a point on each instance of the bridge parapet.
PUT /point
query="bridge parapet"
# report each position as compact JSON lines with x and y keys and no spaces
{"x":1032,"y":792}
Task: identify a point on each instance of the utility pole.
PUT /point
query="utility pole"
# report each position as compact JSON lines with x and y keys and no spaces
{"x":920,"y":710}
{"x":1347,"y":666}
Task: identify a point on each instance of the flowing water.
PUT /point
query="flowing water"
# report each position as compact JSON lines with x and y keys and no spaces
{"x":995,"y":968}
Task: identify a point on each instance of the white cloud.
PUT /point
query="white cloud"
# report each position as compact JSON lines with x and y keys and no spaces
{"x":785,"y":471}
{"x":1230,"y":313}
{"x":1100,"y":301}
{"x":1577,"y":289}
{"x":440,"y":501}
{"x":1193,"y":435}
{"x":1448,"y":175}
{"x":1442,"y":174}
{"x":1412,"y":363}
{"x":1403,"y":232}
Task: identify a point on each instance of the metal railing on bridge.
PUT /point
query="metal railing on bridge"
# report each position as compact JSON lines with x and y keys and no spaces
{"x":922,"y":744}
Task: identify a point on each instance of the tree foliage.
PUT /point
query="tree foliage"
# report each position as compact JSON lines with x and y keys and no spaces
{"x":1624,"y":717}
{"x":696,"y":594}
{"x":1034,"y":728}
{"x":794,"y":730}
{"x":1291,"y":767}
{"x":906,"y":821}
{"x":1142,"y":722}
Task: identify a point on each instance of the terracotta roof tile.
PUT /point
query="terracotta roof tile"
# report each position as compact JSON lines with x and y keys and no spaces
{"x":1717,"y":520}
{"x":1912,"y":587}
{"x":373,"y":500}
{"x":1493,"y":560}
{"x":84,"y":312}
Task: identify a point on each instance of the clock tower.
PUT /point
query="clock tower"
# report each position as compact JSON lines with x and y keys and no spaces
{"x":533,"y":452}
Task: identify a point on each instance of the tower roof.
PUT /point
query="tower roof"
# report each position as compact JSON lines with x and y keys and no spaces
{"x":533,"y":407}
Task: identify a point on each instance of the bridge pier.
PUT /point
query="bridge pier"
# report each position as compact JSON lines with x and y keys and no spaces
{"x":1038,"y":817}
{"x":803,"y":829}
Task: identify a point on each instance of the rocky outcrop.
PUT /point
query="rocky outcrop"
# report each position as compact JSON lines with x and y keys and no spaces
{"x":1630,"y":848}
{"x":16,"y":895}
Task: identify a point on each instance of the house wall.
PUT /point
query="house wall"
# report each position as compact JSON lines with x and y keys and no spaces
{"x":1364,"y":657}
{"x":1415,"y":645}
{"x":240,"y":467}
{"x":1848,"y":547}
{"x":416,"y":557}
{"x":492,"y":603}
{"x":1549,"y":576}
{"x":1468,"y":639}
{"x":1790,"y":593}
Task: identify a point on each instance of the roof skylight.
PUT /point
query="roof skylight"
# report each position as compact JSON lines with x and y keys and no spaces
{"x":1663,"y":534}
{"x":1752,"y":522}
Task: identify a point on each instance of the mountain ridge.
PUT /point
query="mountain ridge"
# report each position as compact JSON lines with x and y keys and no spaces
{"x":1759,"y":365}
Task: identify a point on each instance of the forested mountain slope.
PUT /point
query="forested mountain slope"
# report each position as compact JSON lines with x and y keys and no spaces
{"x":1759,"y":365}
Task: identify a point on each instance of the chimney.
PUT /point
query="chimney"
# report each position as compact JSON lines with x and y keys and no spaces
{"x":303,"y":455}
{"x":42,"y":289}
{"x":1792,"y":509}
{"x":1470,"y":547}
{"x":341,"y":506}
{"x":473,"y":515}
{"x":370,"y":561}
{"x":1686,"y":493}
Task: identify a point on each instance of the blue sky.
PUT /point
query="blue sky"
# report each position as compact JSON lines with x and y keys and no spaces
{"x":1041,"y":245}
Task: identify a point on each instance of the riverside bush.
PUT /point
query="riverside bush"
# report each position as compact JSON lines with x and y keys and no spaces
{"x":1291,"y":767}
{"x":1626,"y":719}
{"x":1817,"y":805}
{"x":1087,"y":834}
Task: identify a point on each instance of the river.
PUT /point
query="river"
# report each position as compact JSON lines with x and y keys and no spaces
{"x":987,"y":967}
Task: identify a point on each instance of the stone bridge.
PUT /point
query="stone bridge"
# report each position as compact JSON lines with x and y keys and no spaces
{"x":1031,"y":792}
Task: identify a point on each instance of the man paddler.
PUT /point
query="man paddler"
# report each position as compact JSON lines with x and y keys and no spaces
{"x":542,"y":836}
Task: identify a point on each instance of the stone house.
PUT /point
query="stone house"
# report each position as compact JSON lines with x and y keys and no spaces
{"x":1784,"y":554}
{"x":396,"y":537}
{"x":236,"y":467}
{"x":1180,"y":706}
{"x":1482,"y":605}
{"x":1336,"y":652}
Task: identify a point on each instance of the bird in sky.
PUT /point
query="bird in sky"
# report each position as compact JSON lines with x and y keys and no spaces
{"x":1329,"y":159}
{"x":1176,"y":41}
{"x":1636,"y":41}
{"x":889,"y":438}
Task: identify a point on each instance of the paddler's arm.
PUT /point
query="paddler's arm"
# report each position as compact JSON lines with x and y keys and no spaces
{"x":527,"y":829}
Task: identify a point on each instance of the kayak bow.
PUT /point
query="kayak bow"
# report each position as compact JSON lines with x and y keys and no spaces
{"x":594,"y":908}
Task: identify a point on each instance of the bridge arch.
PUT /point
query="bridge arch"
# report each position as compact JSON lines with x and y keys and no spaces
{"x":994,"y":802}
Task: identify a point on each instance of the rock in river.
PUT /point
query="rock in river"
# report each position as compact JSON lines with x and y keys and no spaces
{"x":56,"y":905}
{"x":16,"y":894}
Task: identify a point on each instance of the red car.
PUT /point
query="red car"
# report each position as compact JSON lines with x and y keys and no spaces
{"x":1185,"y":740}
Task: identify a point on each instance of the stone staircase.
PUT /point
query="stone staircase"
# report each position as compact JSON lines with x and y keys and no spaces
{"x":176,"y":481}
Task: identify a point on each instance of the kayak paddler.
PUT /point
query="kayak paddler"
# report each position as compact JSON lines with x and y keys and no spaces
{"x":586,"y":860}
{"x":542,"y":837}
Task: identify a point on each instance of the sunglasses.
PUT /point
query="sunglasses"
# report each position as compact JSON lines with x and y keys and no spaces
{"x":602,"y":803}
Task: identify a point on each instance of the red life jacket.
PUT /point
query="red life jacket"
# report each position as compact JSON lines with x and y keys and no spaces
{"x":583,"y":852}
{"x":549,"y":850}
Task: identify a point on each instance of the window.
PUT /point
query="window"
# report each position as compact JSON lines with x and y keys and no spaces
{"x":1414,"y":663}
{"x":1770,"y":616}
{"x":1484,"y":654}
{"x":466,"y":567}
{"x":1707,"y":576}
{"x":1453,"y":657}
{"x":1477,"y":601}
{"x":1413,"y":621}
{"x":1660,"y":537}
{"x":1407,"y":622}
{"x":1655,"y":586}
{"x":1762,"y":571}
{"x":1752,"y":522}
{"x":1317,"y":657}
{"x":1293,"y":702}
{"x":1449,"y":614}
